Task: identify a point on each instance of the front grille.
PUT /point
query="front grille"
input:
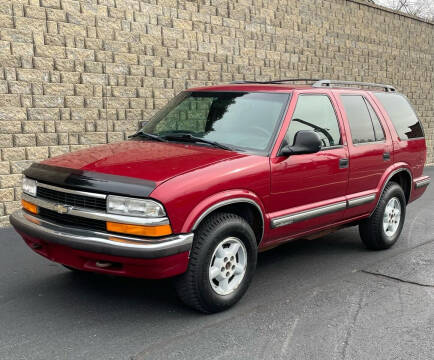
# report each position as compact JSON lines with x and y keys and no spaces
{"x":71,"y":220}
{"x":71,"y":199}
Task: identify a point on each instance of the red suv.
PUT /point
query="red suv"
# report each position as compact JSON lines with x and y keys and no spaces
{"x":223,"y":172}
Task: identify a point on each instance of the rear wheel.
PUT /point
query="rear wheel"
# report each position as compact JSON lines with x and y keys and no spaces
{"x":222,"y":263}
{"x":383,"y":228}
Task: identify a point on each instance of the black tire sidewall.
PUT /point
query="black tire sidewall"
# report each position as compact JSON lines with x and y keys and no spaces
{"x":393,"y":191}
{"x":230,"y":228}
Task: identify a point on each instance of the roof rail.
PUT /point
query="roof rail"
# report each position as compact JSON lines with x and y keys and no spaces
{"x":272,"y":81}
{"x":328,"y":83}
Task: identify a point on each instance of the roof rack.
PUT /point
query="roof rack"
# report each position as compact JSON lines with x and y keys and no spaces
{"x":328,"y":83}
{"x":272,"y":81}
{"x":320,"y":83}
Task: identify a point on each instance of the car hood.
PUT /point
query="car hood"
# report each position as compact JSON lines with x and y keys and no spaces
{"x":142,"y":159}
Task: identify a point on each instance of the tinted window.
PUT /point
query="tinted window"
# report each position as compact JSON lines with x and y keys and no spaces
{"x":237,"y":119}
{"x":361,"y":127}
{"x":401,"y":114}
{"x":378,"y":130}
{"x":315,"y":112}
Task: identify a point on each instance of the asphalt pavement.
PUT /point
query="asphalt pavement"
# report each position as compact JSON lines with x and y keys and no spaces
{"x":328,"y":298}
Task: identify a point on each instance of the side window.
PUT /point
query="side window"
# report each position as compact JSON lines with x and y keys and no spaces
{"x":359,"y":119}
{"x":401,"y":114}
{"x":378,"y":129}
{"x":315,"y":112}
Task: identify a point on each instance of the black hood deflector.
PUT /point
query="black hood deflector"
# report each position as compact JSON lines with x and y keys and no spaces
{"x":90,"y":180}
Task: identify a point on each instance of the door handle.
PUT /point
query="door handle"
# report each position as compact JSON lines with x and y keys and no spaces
{"x":386,"y":156}
{"x":343,"y":163}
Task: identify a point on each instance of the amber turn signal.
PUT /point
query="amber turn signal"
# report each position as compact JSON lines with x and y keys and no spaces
{"x":159,"y":230}
{"x":29,"y":207}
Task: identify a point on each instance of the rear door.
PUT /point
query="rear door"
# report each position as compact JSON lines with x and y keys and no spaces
{"x":370,"y":147}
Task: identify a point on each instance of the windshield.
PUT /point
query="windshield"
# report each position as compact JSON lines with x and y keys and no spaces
{"x":238,"y":120}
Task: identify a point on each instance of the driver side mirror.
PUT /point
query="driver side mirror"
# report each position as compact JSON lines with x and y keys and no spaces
{"x":305,"y":142}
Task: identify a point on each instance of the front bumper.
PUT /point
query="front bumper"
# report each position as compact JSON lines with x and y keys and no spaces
{"x":99,"y":242}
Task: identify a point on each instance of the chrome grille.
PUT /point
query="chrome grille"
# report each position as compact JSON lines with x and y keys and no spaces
{"x":67,"y":198}
{"x":71,"y":220}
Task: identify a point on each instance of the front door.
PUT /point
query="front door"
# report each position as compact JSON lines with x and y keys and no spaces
{"x":308,"y":191}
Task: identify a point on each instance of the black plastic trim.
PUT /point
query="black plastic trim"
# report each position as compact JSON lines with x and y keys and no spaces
{"x":343,"y":163}
{"x":386,"y":156}
{"x":90,"y":180}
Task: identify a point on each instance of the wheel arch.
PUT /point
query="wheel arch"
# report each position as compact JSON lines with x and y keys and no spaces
{"x":248,"y":208}
{"x":404,"y":179}
{"x":401,"y":175}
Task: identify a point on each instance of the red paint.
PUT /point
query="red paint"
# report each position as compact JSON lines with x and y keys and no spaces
{"x":307,"y":181}
{"x":192,"y":178}
{"x":417,"y":193}
{"x":185,"y":196}
{"x":367,"y":165}
{"x":148,"y":160}
{"x":131,"y":267}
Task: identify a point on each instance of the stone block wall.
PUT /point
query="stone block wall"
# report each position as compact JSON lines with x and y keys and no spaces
{"x":75,"y":73}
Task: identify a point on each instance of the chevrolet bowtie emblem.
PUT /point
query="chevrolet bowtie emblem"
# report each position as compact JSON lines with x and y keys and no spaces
{"x":61,"y":209}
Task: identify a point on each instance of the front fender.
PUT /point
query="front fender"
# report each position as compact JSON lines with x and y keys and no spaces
{"x":218,"y":200}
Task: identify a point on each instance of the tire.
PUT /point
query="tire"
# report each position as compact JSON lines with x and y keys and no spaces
{"x":376,"y":233}
{"x":215,"y":247}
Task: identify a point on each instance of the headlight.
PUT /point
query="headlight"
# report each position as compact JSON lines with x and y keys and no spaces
{"x":29,"y":186}
{"x":134,"y":207}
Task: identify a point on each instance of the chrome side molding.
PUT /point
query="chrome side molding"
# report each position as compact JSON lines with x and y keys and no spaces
{"x":362,"y":200}
{"x":308,"y":214}
{"x":322,"y":210}
{"x":422,"y":183}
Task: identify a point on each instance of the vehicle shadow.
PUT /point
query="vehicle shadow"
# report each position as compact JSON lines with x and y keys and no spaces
{"x":275,"y":265}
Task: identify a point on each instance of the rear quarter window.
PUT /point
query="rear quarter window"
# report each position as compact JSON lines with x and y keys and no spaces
{"x":402,"y":115}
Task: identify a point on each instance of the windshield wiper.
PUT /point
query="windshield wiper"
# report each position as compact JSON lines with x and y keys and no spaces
{"x":146,"y":135}
{"x":319,"y":129}
{"x":195,"y":139}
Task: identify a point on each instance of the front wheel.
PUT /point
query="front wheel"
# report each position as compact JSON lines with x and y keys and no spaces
{"x":222,"y":263}
{"x":382,"y":229}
